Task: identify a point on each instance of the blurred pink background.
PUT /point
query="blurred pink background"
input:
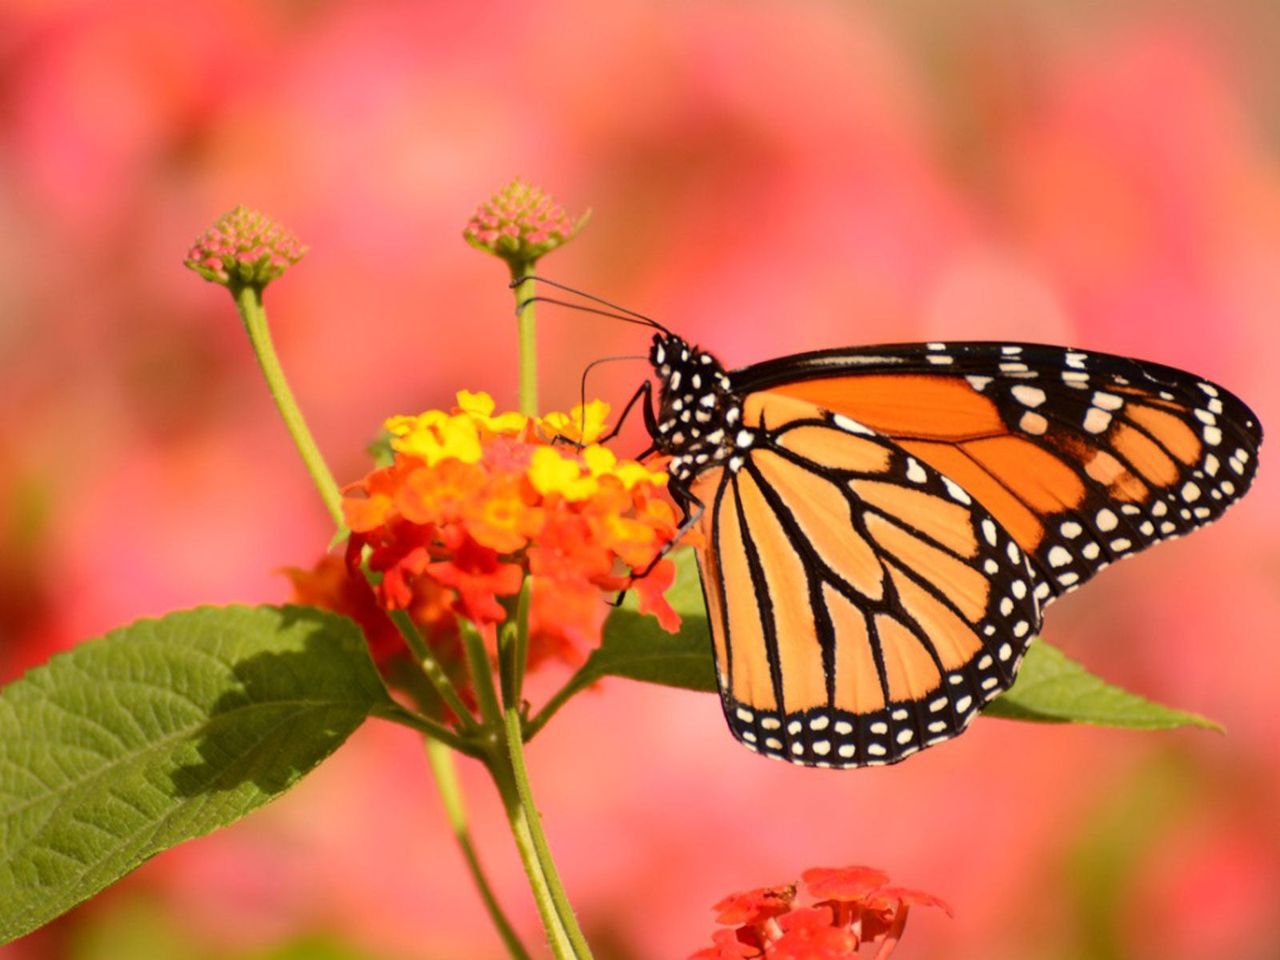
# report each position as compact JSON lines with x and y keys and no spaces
{"x":766,"y":177}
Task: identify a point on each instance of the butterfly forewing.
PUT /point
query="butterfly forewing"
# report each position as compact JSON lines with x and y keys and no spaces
{"x":1084,"y":458}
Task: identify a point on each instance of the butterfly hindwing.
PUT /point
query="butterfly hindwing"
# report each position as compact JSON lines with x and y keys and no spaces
{"x":863,"y":605}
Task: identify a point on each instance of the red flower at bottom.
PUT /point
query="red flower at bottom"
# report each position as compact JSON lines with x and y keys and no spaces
{"x":727,"y":945}
{"x":755,"y":906}
{"x":854,"y":906}
{"x":812,"y":934}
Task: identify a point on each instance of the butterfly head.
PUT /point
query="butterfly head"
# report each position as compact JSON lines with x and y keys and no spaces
{"x":699,"y":415}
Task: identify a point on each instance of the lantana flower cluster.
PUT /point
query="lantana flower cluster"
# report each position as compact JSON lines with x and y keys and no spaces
{"x":520,"y":224}
{"x":474,"y":502}
{"x":244,"y":248}
{"x":849,"y":907}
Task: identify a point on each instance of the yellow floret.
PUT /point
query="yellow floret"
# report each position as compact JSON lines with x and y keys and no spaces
{"x":551,"y":473}
{"x":581,"y":424}
{"x":479,"y":406}
{"x":434,"y":436}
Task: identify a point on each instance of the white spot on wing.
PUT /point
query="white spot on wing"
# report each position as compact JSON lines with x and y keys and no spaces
{"x":1027,"y":395}
{"x":850,"y":425}
{"x":956,"y":492}
{"x":1096,"y":420}
{"x":1033,"y":423}
{"x":1107,"y":401}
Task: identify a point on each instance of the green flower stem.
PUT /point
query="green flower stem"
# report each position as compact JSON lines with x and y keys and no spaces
{"x":512,"y":777}
{"x":432,"y":729}
{"x":434,"y":672}
{"x":527,"y":331}
{"x":529,"y":829}
{"x":249,"y":303}
{"x":561,"y":943}
{"x":557,"y":700}
{"x":441,"y":760}
{"x":509,"y":773}
{"x":481,"y":675}
{"x":516,"y":657}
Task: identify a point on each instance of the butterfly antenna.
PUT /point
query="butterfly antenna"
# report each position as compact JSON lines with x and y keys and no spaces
{"x":583,"y":308}
{"x":637,"y":317}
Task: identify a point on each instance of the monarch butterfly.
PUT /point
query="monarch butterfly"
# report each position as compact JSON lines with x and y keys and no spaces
{"x":883,"y":526}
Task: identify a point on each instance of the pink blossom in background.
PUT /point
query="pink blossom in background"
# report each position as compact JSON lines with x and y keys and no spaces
{"x":765,"y":179}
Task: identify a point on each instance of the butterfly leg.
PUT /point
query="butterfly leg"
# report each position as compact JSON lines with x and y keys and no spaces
{"x":688,"y":521}
{"x":650,"y":418}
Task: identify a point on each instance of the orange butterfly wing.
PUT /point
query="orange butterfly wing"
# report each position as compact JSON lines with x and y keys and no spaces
{"x":1084,"y":458}
{"x":855,"y":619}
{"x":875,"y":566}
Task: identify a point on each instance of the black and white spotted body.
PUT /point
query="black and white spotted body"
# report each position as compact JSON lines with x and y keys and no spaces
{"x":699,"y":416}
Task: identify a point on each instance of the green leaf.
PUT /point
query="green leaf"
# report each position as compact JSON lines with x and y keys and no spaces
{"x":1053,"y":688}
{"x":160,"y":732}
{"x":634,"y":646}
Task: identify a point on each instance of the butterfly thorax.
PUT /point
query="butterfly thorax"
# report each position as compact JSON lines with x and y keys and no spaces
{"x":699,"y":420}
